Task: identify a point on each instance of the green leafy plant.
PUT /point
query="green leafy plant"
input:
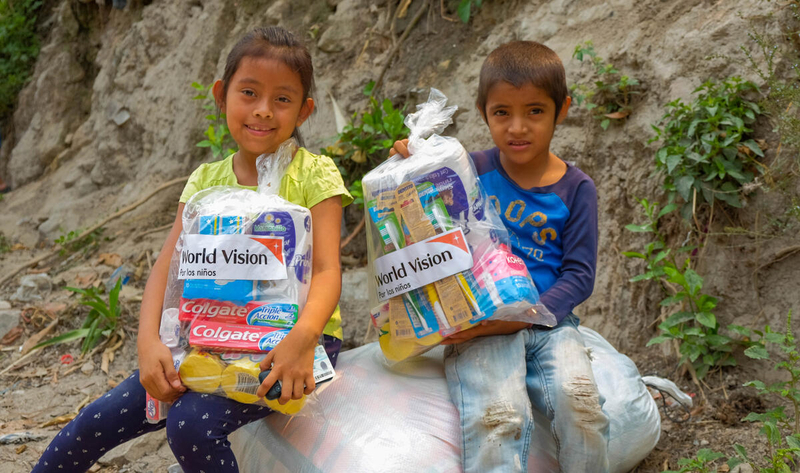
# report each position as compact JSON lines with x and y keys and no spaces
{"x":218,"y":137}
{"x":609,"y":95}
{"x":707,"y":152}
{"x":780,"y":429}
{"x":19,"y":48}
{"x":702,"y":463}
{"x":357,"y":191}
{"x":465,"y":7}
{"x":5,"y":245}
{"x":100,"y":322}
{"x":71,"y":243}
{"x":363,"y":142}
{"x":692,"y":322}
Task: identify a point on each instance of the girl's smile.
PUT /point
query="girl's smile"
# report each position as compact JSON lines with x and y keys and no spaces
{"x":263,"y":102}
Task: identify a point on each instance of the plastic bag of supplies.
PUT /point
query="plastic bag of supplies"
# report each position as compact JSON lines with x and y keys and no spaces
{"x":438,"y":251}
{"x":238,"y":280}
{"x":381,"y":418}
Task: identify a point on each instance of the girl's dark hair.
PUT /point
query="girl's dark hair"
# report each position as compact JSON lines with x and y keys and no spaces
{"x":272,"y":42}
{"x":520,"y":63}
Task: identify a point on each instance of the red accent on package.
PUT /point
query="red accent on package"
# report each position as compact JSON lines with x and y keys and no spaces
{"x":234,"y":337}
{"x":275,"y":314}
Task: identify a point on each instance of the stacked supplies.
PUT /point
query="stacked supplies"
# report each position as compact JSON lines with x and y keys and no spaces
{"x":238,"y":280}
{"x":438,"y":250}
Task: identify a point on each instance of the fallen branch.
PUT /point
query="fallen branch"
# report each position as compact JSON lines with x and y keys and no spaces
{"x":355,"y":232}
{"x":86,"y":233}
{"x":153,"y":230}
{"x":396,"y":47}
{"x":19,"y":360}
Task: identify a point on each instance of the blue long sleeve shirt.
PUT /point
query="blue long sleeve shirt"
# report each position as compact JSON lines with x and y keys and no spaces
{"x":552,"y":228}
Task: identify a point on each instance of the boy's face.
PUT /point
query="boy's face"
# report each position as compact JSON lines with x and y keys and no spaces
{"x":521,"y":121}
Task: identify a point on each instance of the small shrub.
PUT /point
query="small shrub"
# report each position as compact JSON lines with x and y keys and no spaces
{"x":70,"y":243}
{"x":218,"y":137}
{"x":101,"y":321}
{"x":702,"y":463}
{"x":19,"y":48}
{"x":609,"y":95}
{"x":692,"y":322}
{"x":781,"y":429}
{"x":5,"y":245}
{"x":707,"y":152}
{"x":363,"y":142}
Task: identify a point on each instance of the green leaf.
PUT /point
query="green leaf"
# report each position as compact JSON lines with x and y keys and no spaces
{"x":464,"y":10}
{"x":745,"y":332}
{"x":684,"y":186}
{"x":659,"y":339}
{"x":672,"y":161}
{"x":756,"y":384}
{"x":667,"y":209}
{"x":633,"y":254}
{"x":673,"y":299}
{"x":757,"y":352}
{"x":604,"y":124}
{"x":754,"y":147}
{"x":639,"y":228}
{"x":705,"y":455}
{"x":693,"y":280}
{"x":707,"y":319}
{"x":793,"y":441}
{"x":741,"y":452}
{"x":369,"y":88}
{"x":64,"y":337}
{"x":675,"y":319}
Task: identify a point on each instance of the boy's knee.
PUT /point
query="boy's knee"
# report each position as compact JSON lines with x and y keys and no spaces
{"x":584,"y":401}
{"x":504,"y":419}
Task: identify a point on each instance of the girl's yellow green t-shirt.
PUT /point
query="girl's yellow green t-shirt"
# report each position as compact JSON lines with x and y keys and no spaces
{"x":309,"y":180}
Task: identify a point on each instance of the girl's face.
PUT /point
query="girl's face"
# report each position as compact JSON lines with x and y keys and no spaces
{"x":263,"y":105}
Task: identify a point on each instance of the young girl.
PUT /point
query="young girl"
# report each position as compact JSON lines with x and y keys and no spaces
{"x":265,"y":94}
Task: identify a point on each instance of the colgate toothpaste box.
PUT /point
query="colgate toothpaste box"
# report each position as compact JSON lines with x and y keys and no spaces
{"x":234,"y":337}
{"x":280,"y":315}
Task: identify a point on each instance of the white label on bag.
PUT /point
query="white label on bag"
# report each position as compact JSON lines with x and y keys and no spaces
{"x":422,"y":263}
{"x":232,"y":257}
{"x":323,"y":369}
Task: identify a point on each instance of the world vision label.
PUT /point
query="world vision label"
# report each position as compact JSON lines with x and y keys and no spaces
{"x":232,"y":257}
{"x":422,"y":263}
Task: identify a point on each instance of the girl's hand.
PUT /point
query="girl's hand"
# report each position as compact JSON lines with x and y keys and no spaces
{"x":485,"y":329}
{"x":157,"y":372}
{"x":401,"y":148}
{"x":292,"y":362}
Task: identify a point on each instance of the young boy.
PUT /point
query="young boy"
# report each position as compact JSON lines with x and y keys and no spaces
{"x":550,"y":210}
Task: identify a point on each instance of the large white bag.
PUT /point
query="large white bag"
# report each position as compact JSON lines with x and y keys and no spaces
{"x":400,"y":418}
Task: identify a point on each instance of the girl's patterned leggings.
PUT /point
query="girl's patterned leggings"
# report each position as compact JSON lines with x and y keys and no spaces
{"x":197,"y":427}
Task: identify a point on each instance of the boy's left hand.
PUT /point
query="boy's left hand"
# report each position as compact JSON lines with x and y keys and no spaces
{"x":485,"y":329}
{"x":292,"y":362}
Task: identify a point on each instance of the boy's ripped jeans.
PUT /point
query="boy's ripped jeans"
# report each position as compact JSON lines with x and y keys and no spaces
{"x":494,"y":380}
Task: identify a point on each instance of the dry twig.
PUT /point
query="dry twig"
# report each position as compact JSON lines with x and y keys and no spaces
{"x":88,"y":232}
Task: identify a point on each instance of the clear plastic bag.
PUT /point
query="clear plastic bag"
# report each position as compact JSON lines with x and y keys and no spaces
{"x":439,"y":252}
{"x":238,"y":280}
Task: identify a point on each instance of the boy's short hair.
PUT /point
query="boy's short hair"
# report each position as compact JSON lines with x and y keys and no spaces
{"x":520,"y":63}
